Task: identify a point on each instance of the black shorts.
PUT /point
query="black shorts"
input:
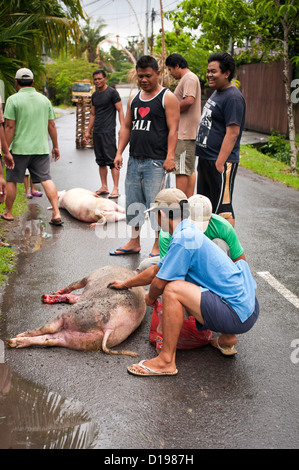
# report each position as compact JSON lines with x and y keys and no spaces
{"x":218,"y":187}
{"x":220,"y":317}
{"x":38,"y":166}
{"x":105,"y":148}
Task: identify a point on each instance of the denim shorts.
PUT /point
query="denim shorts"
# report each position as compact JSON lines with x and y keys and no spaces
{"x":220,"y":317}
{"x":143,"y":182}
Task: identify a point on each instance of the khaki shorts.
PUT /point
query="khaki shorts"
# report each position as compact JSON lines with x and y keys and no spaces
{"x":185,"y":157}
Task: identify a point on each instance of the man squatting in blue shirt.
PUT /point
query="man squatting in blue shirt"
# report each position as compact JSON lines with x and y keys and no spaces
{"x":198,"y":278}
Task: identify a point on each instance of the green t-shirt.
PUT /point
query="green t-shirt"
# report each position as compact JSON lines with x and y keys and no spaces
{"x":31,"y":112}
{"x":217,"y":228}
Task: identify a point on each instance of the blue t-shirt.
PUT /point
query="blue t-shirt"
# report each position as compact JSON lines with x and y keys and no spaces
{"x":223,"y":108}
{"x":194,"y":258}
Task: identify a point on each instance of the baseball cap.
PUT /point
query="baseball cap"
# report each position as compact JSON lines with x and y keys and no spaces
{"x":168,"y":198}
{"x":200,"y":211}
{"x":24,"y":73}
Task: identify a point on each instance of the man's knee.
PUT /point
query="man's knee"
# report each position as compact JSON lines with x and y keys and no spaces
{"x":172,"y":290}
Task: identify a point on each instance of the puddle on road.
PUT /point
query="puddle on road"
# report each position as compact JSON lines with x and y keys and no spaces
{"x":31,"y":417}
{"x":31,"y":233}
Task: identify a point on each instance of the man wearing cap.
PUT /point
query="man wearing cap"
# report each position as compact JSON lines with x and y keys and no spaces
{"x":216,"y":228}
{"x":29,"y":118}
{"x":194,"y":276}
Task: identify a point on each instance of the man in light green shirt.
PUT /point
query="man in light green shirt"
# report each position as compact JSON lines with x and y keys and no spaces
{"x":29,"y":118}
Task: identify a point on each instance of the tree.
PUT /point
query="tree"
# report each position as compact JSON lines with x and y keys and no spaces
{"x":285,"y":15}
{"x":187,"y":45}
{"x":52,"y":26}
{"x":92,"y":35}
{"x":12,"y":35}
{"x":62,"y":73}
{"x":221,"y":24}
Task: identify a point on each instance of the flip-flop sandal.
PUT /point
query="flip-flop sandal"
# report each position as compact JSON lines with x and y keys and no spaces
{"x":7,"y":245}
{"x":147,"y":371}
{"x":99,"y":193}
{"x":123,"y":252}
{"x":113,"y":196}
{"x":228,"y":351}
{"x":56,"y":222}
{"x":152,"y":256}
{"x":6,"y":218}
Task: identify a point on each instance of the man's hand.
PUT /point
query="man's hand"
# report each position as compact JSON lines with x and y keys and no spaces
{"x":8,"y":161}
{"x":86,"y":137}
{"x":2,"y":189}
{"x":150,"y":302}
{"x":219,"y":166}
{"x":119,"y":285}
{"x":118,"y":162}
{"x":169,"y":165}
{"x":55,"y":153}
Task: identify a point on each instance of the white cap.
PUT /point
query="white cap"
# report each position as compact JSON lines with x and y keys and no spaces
{"x":200,"y":211}
{"x":168,"y":198}
{"x":24,"y":73}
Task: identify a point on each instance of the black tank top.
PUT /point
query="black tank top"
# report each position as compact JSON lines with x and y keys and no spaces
{"x":149,"y":131}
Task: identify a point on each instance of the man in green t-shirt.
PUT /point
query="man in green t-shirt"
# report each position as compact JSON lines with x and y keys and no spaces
{"x":215,"y":227}
{"x":29,"y":118}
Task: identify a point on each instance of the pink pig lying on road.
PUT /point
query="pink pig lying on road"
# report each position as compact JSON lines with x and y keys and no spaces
{"x":99,"y":319}
{"x":87,"y":206}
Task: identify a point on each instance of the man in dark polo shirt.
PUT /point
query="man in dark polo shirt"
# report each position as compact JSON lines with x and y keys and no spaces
{"x":105,"y":102}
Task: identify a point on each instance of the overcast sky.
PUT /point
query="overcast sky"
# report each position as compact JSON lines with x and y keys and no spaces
{"x":120,"y":16}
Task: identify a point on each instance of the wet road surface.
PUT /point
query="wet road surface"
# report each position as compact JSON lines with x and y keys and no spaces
{"x":88,"y":400}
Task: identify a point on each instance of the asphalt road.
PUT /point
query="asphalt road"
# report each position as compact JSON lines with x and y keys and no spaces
{"x":249,"y":401}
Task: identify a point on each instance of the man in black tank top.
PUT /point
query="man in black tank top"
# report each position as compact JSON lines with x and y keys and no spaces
{"x":151,"y":128}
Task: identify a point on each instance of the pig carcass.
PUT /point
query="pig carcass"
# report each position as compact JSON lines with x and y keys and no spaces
{"x":87,"y":206}
{"x":99,"y":319}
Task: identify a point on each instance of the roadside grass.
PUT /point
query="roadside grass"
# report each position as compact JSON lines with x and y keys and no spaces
{"x":265,"y":165}
{"x":7,"y":254}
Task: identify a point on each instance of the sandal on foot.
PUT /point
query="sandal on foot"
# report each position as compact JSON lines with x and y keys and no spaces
{"x":57,"y":222}
{"x":147,"y":371}
{"x":227,"y":351}
{"x":6,"y":218}
{"x":99,"y":192}
{"x":123,"y":252}
{"x":7,"y":245}
{"x":36,"y":194}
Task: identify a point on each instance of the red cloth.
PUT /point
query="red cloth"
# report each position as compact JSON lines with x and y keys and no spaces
{"x":190,"y":337}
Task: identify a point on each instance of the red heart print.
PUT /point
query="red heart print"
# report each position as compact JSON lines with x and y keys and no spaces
{"x":143,"y":111}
